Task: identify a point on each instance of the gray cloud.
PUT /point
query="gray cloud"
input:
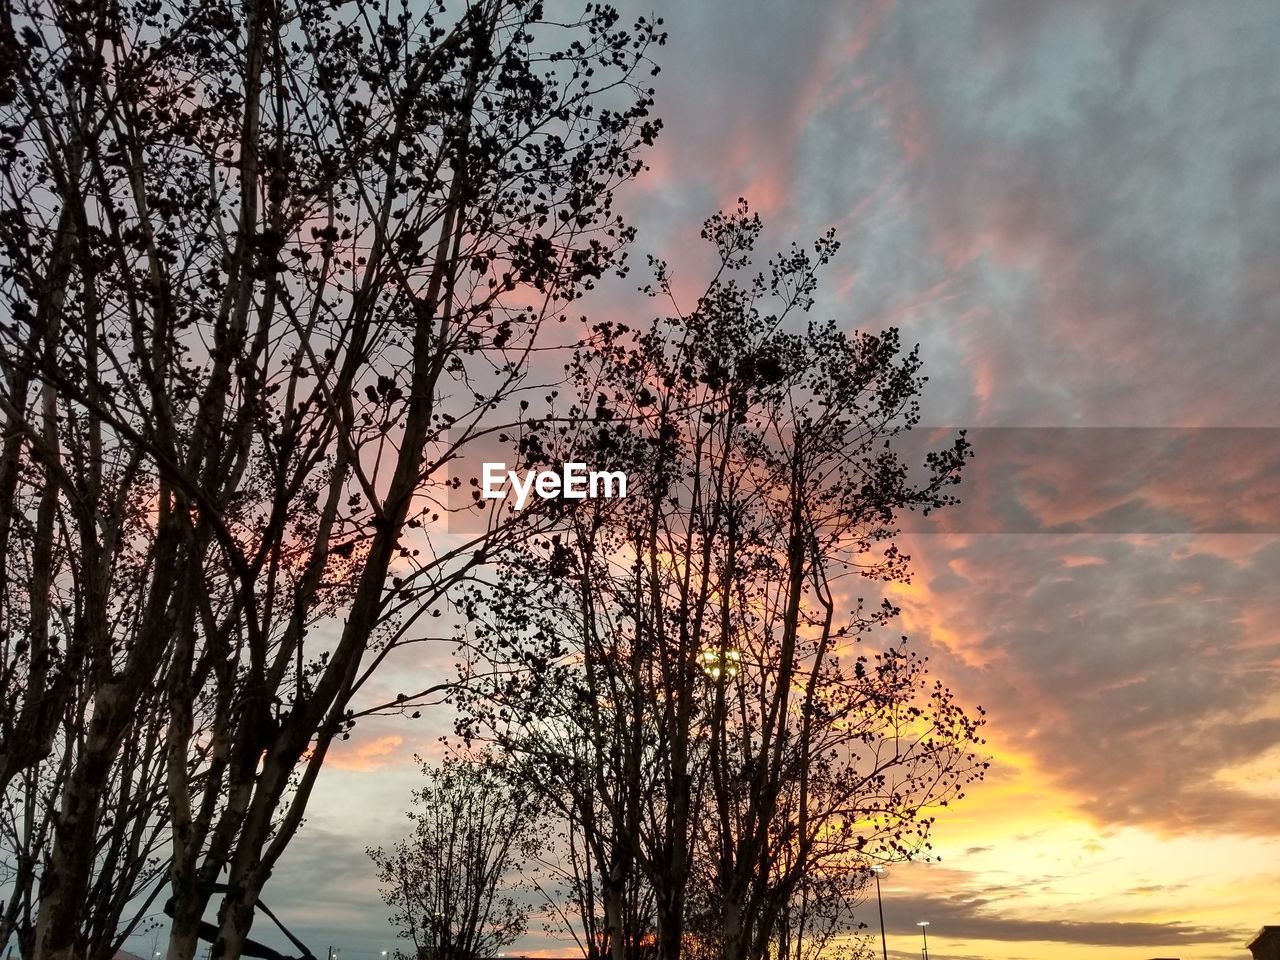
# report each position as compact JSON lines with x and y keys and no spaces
{"x":1109,"y":480}
{"x":980,"y":917}
{"x":1136,"y":670}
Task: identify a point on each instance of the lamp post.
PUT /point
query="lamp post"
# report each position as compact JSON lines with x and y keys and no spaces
{"x":924,"y":932}
{"x":440,"y":934}
{"x":714,"y":663}
{"x":878,"y":870}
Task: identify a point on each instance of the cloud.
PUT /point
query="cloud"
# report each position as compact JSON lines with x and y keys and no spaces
{"x":986,"y":915}
{"x":1110,"y":480}
{"x":325,"y":891}
{"x":1122,"y":679}
{"x":1152,"y":889}
{"x":1078,"y":180}
{"x":356,"y":754}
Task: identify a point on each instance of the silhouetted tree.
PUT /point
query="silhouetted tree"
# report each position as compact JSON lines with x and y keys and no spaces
{"x":128,"y":839}
{"x":265,"y":267}
{"x":586,"y":881}
{"x":450,"y":883}
{"x":744,"y":729}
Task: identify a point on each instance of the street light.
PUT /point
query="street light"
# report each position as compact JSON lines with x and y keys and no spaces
{"x":714,"y":663}
{"x":439,"y":932}
{"x":878,"y":870}
{"x":924,"y":932}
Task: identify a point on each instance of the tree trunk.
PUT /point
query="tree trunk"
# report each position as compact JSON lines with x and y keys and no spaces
{"x":613,"y":916}
{"x":670,"y":911}
{"x":733,"y":940}
{"x":65,"y":884}
{"x":184,"y":935}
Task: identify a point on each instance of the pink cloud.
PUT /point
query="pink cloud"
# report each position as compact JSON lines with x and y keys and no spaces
{"x":364,"y":756}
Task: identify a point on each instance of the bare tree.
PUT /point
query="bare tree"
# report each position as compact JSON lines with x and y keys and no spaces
{"x":820,"y":920}
{"x":696,"y":634}
{"x":604,"y":919}
{"x":128,"y":840}
{"x":561,"y":747}
{"x":450,"y":884}
{"x":267,"y":268}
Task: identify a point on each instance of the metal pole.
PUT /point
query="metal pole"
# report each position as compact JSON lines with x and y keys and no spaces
{"x":925,"y":931}
{"x":884,"y":946}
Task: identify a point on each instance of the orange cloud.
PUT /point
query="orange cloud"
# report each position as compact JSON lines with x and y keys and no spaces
{"x":363,"y":757}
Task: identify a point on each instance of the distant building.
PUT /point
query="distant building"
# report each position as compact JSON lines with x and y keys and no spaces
{"x":1266,"y":945}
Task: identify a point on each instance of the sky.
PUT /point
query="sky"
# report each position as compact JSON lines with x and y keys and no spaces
{"x":1074,"y":208}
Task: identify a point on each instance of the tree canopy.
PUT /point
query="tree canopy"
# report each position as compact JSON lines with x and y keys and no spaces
{"x":696,"y":664}
{"x":265,"y":267}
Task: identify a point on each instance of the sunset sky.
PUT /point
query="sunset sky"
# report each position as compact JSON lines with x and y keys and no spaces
{"x":1074,"y":207}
